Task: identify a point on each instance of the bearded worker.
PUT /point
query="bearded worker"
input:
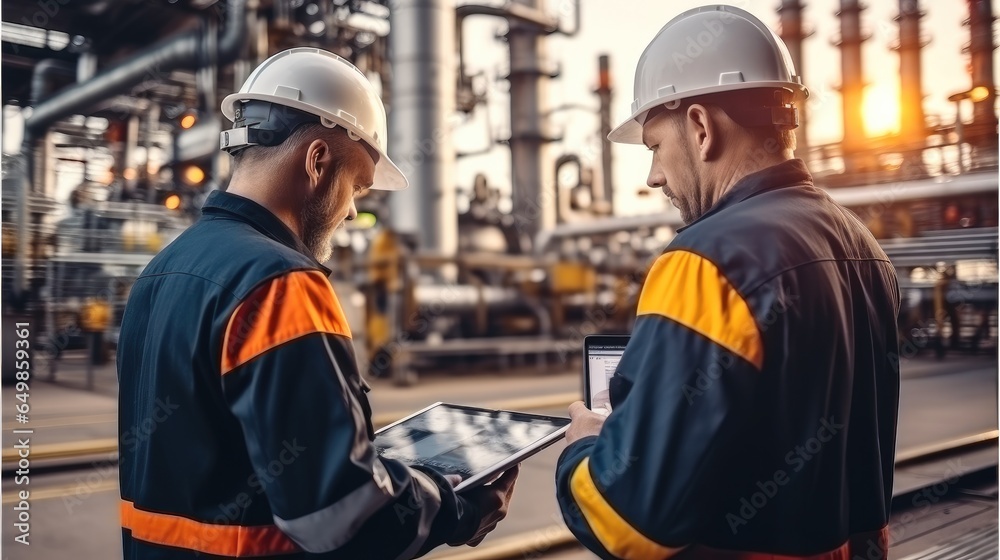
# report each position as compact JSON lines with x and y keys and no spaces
{"x":244,"y":422}
{"x":754,"y":408}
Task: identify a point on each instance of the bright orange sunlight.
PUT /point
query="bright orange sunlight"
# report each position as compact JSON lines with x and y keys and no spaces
{"x":880,"y":109}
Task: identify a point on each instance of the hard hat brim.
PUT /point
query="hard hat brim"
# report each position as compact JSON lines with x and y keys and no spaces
{"x":388,"y":176}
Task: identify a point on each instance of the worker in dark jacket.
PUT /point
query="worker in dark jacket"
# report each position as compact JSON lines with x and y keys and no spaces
{"x":245,"y":428}
{"x":754,"y":409}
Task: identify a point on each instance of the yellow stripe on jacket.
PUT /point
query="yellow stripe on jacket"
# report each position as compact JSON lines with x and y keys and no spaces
{"x":613,"y":532}
{"x":692,"y":291}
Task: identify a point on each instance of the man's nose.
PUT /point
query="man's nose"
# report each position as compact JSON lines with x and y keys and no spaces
{"x":352,"y":212}
{"x":656,"y":178}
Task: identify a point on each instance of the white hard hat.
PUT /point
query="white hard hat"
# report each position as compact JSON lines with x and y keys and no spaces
{"x":706,"y":50}
{"x":318,"y":83}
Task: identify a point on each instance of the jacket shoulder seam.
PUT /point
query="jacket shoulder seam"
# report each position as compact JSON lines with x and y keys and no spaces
{"x":183,"y":273}
{"x":788,"y":269}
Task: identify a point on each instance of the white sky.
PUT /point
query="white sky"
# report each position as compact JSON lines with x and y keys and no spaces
{"x":623,"y":28}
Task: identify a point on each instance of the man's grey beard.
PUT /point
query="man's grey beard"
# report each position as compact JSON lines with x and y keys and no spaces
{"x":318,"y":226}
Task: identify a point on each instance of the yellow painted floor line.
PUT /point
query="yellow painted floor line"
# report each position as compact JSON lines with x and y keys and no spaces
{"x":63,"y":422}
{"x":930,"y":449}
{"x":110,"y":445}
{"x":522,"y":545}
{"x":66,"y":450}
{"x":77,"y":489}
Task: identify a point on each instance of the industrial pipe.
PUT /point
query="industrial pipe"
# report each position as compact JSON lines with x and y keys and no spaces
{"x":852,"y":87}
{"x":420,"y":138}
{"x":983,"y":131}
{"x":912,"y":126}
{"x":560,"y":162}
{"x":42,"y":75}
{"x":181,"y":51}
{"x":528,"y":23}
{"x":510,"y":12}
{"x":604,"y":94}
{"x":792,"y":34}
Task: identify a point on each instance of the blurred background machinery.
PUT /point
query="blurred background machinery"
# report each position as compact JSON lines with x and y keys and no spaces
{"x":122,"y":95}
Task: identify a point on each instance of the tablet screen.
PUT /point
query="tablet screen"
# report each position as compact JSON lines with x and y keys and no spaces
{"x":602,"y":356}
{"x":470,"y":442}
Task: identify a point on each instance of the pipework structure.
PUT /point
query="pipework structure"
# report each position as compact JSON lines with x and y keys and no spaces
{"x":793,"y":33}
{"x":852,"y":87}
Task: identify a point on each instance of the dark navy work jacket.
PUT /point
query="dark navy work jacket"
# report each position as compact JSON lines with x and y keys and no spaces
{"x":754,"y":408}
{"x":245,"y":429}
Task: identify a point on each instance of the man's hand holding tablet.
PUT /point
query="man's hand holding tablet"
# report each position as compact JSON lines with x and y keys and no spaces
{"x":493,"y":498}
{"x":476,"y":450}
{"x":584,"y":422}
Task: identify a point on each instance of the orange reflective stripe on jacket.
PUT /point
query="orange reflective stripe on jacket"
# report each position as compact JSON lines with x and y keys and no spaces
{"x":210,"y":538}
{"x":285,"y":308}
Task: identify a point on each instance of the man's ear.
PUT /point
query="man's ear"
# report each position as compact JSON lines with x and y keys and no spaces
{"x":318,"y":162}
{"x":703,"y":131}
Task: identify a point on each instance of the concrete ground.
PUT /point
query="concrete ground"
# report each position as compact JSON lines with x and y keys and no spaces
{"x":74,"y":513}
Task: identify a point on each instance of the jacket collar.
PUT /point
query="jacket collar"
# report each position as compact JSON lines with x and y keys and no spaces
{"x":790,"y":173}
{"x":246,"y":210}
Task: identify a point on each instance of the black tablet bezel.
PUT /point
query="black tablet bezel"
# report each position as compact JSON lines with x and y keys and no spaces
{"x":597,"y":340}
{"x":487,"y":474}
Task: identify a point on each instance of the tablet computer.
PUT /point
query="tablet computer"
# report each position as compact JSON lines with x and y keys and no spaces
{"x":601,"y":354}
{"x":477,"y":444}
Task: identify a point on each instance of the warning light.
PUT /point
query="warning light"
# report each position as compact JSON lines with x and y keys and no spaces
{"x":951,"y":214}
{"x":172,"y":202}
{"x":188,"y":120}
{"x":365,"y":220}
{"x":979,"y":93}
{"x":194,"y":175}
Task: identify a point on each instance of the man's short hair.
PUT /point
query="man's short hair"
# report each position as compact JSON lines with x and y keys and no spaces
{"x":253,"y":155}
{"x":773,"y":138}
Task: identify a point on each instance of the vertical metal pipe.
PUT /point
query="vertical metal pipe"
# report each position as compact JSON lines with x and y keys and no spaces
{"x":128,"y":164}
{"x":912,"y":126}
{"x":152,"y":122}
{"x":532,"y":191}
{"x":792,"y":34}
{"x":982,"y":132}
{"x":21,"y":255}
{"x":47,"y":167}
{"x":86,"y":67}
{"x":604,"y":94}
{"x":852,"y":88}
{"x":422,"y":54}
